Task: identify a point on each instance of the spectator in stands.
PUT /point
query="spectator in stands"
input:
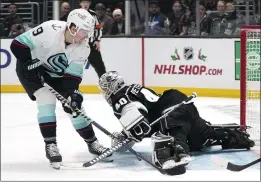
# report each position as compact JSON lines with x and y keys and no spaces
{"x":157,"y":24}
{"x":189,"y":6}
{"x":109,"y":12}
{"x":204,"y":23}
{"x":179,"y":21}
{"x":221,"y":22}
{"x":106,"y":21}
{"x":229,"y":6}
{"x":231,"y":11}
{"x":85,"y":4}
{"x":239,"y":17}
{"x":65,"y":10}
{"x":118,"y":27}
{"x":210,"y":5}
{"x":13,"y":23}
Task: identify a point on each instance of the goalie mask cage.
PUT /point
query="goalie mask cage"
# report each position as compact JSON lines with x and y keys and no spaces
{"x":250,"y":80}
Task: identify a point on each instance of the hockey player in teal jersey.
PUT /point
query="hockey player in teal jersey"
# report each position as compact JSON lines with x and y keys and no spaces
{"x":56,"y":52}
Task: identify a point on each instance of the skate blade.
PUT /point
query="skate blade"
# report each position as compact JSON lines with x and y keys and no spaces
{"x":55,"y":165}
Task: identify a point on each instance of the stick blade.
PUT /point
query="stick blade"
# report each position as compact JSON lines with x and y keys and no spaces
{"x":233,"y":167}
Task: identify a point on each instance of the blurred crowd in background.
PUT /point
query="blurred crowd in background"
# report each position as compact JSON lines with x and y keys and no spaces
{"x":164,"y":17}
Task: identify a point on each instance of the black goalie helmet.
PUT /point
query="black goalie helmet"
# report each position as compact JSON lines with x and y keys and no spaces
{"x":110,"y":83}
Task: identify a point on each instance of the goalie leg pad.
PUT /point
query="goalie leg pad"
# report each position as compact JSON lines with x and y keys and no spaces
{"x":227,"y":137}
{"x":161,"y":146}
{"x":168,"y":155}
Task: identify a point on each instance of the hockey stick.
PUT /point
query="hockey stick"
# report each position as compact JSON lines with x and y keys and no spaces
{"x":169,"y":110}
{"x":234,"y":167}
{"x":124,"y":142}
{"x":113,"y":149}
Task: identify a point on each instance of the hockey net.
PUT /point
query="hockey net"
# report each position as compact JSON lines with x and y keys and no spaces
{"x":250,"y":80}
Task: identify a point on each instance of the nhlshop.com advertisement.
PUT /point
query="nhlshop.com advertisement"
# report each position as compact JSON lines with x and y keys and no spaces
{"x":199,"y":62}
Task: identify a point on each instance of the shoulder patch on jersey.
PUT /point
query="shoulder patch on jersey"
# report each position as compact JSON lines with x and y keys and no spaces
{"x":55,"y":26}
{"x":135,"y":89}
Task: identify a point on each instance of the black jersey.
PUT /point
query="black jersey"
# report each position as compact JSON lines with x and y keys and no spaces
{"x":97,"y":29}
{"x":143,"y":97}
{"x":134,"y":93}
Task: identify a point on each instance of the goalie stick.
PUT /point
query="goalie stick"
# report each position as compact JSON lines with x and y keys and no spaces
{"x":112,"y":150}
{"x":124,"y":142}
{"x":234,"y":167}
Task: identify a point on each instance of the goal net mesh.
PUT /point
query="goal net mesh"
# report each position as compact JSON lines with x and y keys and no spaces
{"x":252,"y":76}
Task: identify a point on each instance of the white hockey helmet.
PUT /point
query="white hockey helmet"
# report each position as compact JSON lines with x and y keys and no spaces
{"x":83,"y":20}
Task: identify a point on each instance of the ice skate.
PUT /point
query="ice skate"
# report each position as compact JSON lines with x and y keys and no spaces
{"x":97,"y":149}
{"x":53,"y":155}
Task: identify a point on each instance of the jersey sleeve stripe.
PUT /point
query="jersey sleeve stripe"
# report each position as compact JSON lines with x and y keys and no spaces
{"x":72,"y":76}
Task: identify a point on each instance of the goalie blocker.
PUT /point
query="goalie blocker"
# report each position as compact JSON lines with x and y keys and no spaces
{"x":137,"y":107}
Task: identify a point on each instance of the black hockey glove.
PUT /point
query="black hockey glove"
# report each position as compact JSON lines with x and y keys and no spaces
{"x":32,"y":71}
{"x":75,"y":100}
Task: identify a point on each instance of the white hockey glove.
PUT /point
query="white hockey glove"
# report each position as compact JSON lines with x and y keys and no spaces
{"x":134,"y":124}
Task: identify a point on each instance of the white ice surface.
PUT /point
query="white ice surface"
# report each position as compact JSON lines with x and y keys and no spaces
{"x":23,"y":154}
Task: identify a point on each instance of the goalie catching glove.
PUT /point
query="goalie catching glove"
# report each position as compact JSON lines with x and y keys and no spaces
{"x":75,"y":100}
{"x":135,"y":125}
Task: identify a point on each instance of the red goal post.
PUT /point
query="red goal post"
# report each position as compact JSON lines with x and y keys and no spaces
{"x":250,"y":79}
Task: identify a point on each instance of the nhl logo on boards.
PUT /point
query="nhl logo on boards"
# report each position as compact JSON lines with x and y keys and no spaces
{"x":188,"y":53}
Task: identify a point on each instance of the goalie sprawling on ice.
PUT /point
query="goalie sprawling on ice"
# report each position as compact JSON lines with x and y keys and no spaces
{"x":175,"y":136}
{"x":56,"y":52}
